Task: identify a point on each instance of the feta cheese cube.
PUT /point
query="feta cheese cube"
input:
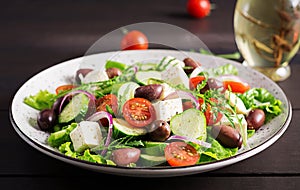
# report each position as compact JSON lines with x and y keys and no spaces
{"x":86,"y":135}
{"x":175,"y":75}
{"x":167,"y":90}
{"x":166,"y":109}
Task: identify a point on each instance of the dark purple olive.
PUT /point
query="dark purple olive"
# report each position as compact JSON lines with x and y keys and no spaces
{"x":255,"y":119}
{"x":80,"y":73}
{"x":192,"y":64}
{"x":159,"y":130}
{"x":125,"y":156}
{"x":227,"y":136}
{"x":149,"y":92}
{"x":113,"y":72}
{"x":212,"y":83}
{"x":46,"y":119}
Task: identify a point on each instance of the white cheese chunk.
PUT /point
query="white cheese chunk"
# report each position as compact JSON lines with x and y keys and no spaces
{"x":95,"y":76}
{"x":236,"y":103}
{"x":175,"y":75}
{"x":86,"y":135}
{"x":167,"y":90}
{"x":166,"y":109}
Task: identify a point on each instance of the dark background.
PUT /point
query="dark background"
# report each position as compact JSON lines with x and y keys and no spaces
{"x":38,"y":34}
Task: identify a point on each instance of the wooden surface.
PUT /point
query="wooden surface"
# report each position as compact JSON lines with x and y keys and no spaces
{"x":38,"y":34}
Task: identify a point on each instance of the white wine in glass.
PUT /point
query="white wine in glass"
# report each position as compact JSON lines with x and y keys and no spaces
{"x":267,"y":35}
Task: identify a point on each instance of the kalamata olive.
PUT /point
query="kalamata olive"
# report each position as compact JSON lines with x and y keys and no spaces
{"x":255,"y":119}
{"x":227,"y":136}
{"x":113,"y":72}
{"x":125,"y":156}
{"x":80,"y":73}
{"x":212,"y":83}
{"x":189,"y":62}
{"x":159,"y":130}
{"x":149,"y":92}
{"x":46,"y":119}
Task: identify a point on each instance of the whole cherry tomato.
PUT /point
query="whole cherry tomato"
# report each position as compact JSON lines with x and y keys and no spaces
{"x":198,"y":8}
{"x":134,"y":40}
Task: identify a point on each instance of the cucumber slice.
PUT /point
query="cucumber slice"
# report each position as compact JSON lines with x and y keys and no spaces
{"x":150,"y":160}
{"x":122,"y":128}
{"x":75,"y":109}
{"x":190,"y":123}
{"x":143,"y":77}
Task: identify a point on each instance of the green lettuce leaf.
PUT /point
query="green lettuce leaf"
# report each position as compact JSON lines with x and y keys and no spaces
{"x":59,"y":137}
{"x":42,"y":100}
{"x":263,"y":99}
{"x":227,"y":69}
{"x":216,"y":151}
{"x":67,"y":149}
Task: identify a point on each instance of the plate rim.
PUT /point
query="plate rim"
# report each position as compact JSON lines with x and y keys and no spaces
{"x":152,"y":171}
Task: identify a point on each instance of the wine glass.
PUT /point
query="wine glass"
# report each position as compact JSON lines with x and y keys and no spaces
{"x":267,"y":35}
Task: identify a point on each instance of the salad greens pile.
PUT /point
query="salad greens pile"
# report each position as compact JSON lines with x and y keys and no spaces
{"x":171,"y":113}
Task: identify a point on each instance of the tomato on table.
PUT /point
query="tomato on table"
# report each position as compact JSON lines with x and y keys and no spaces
{"x":138,"y":112}
{"x":212,"y":115}
{"x":179,"y":153}
{"x":134,"y":40}
{"x":64,"y":87}
{"x":199,"y":8}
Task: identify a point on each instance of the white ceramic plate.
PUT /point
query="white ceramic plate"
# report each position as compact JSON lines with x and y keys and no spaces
{"x":21,"y":115}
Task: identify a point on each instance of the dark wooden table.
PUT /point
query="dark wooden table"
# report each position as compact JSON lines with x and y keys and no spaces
{"x":38,"y":34}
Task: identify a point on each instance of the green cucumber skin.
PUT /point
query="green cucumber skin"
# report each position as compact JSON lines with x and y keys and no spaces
{"x":76,"y":109}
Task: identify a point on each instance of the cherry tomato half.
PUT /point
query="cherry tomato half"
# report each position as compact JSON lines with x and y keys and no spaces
{"x":138,"y":112}
{"x":236,"y":86}
{"x":134,"y":40}
{"x":107,"y":100}
{"x":179,"y":153}
{"x":212,"y":115}
{"x":199,"y":8}
{"x":64,"y":87}
{"x":102,"y":103}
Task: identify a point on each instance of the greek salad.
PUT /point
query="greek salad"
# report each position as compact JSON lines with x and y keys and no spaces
{"x":170,"y":113}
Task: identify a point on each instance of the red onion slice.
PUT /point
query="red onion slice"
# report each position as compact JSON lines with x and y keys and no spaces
{"x":183,"y":95}
{"x":184,"y":138}
{"x":100,"y":115}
